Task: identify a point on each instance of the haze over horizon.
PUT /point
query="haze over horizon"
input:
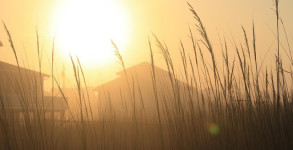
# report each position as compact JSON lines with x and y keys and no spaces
{"x":169,"y":20}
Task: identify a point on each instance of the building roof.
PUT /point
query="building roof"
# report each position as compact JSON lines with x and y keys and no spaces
{"x":9,"y":68}
{"x":141,"y":67}
{"x":142,"y":70}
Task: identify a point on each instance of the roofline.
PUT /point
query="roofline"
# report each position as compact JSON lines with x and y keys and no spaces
{"x":156,"y":68}
{"x":43,"y":74}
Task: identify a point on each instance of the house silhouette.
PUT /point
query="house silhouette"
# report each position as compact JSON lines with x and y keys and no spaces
{"x":133,"y":92}
{"x":21,"y":93}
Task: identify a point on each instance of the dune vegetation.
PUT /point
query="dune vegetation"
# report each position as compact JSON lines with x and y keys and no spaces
{"x":228,"y":102}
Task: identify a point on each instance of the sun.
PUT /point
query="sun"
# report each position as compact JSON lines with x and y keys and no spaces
{"x":85,"y":28}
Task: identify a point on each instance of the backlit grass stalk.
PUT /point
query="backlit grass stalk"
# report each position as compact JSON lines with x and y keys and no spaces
{"x":154,"y":83}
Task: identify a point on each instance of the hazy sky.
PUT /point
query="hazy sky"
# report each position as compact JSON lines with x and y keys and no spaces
{"x":168,"y":19}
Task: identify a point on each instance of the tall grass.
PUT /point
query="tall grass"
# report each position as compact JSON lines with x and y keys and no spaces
{"x":243,"y":105}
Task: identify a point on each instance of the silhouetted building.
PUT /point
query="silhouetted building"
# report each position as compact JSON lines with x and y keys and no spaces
{"x":132,"y":94}
{"x":21,"y":93}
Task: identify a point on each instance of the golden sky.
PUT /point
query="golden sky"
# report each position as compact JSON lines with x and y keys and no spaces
{"x":168,"y":19}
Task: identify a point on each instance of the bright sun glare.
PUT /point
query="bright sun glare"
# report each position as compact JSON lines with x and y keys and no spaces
{"x":85,"y":28}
